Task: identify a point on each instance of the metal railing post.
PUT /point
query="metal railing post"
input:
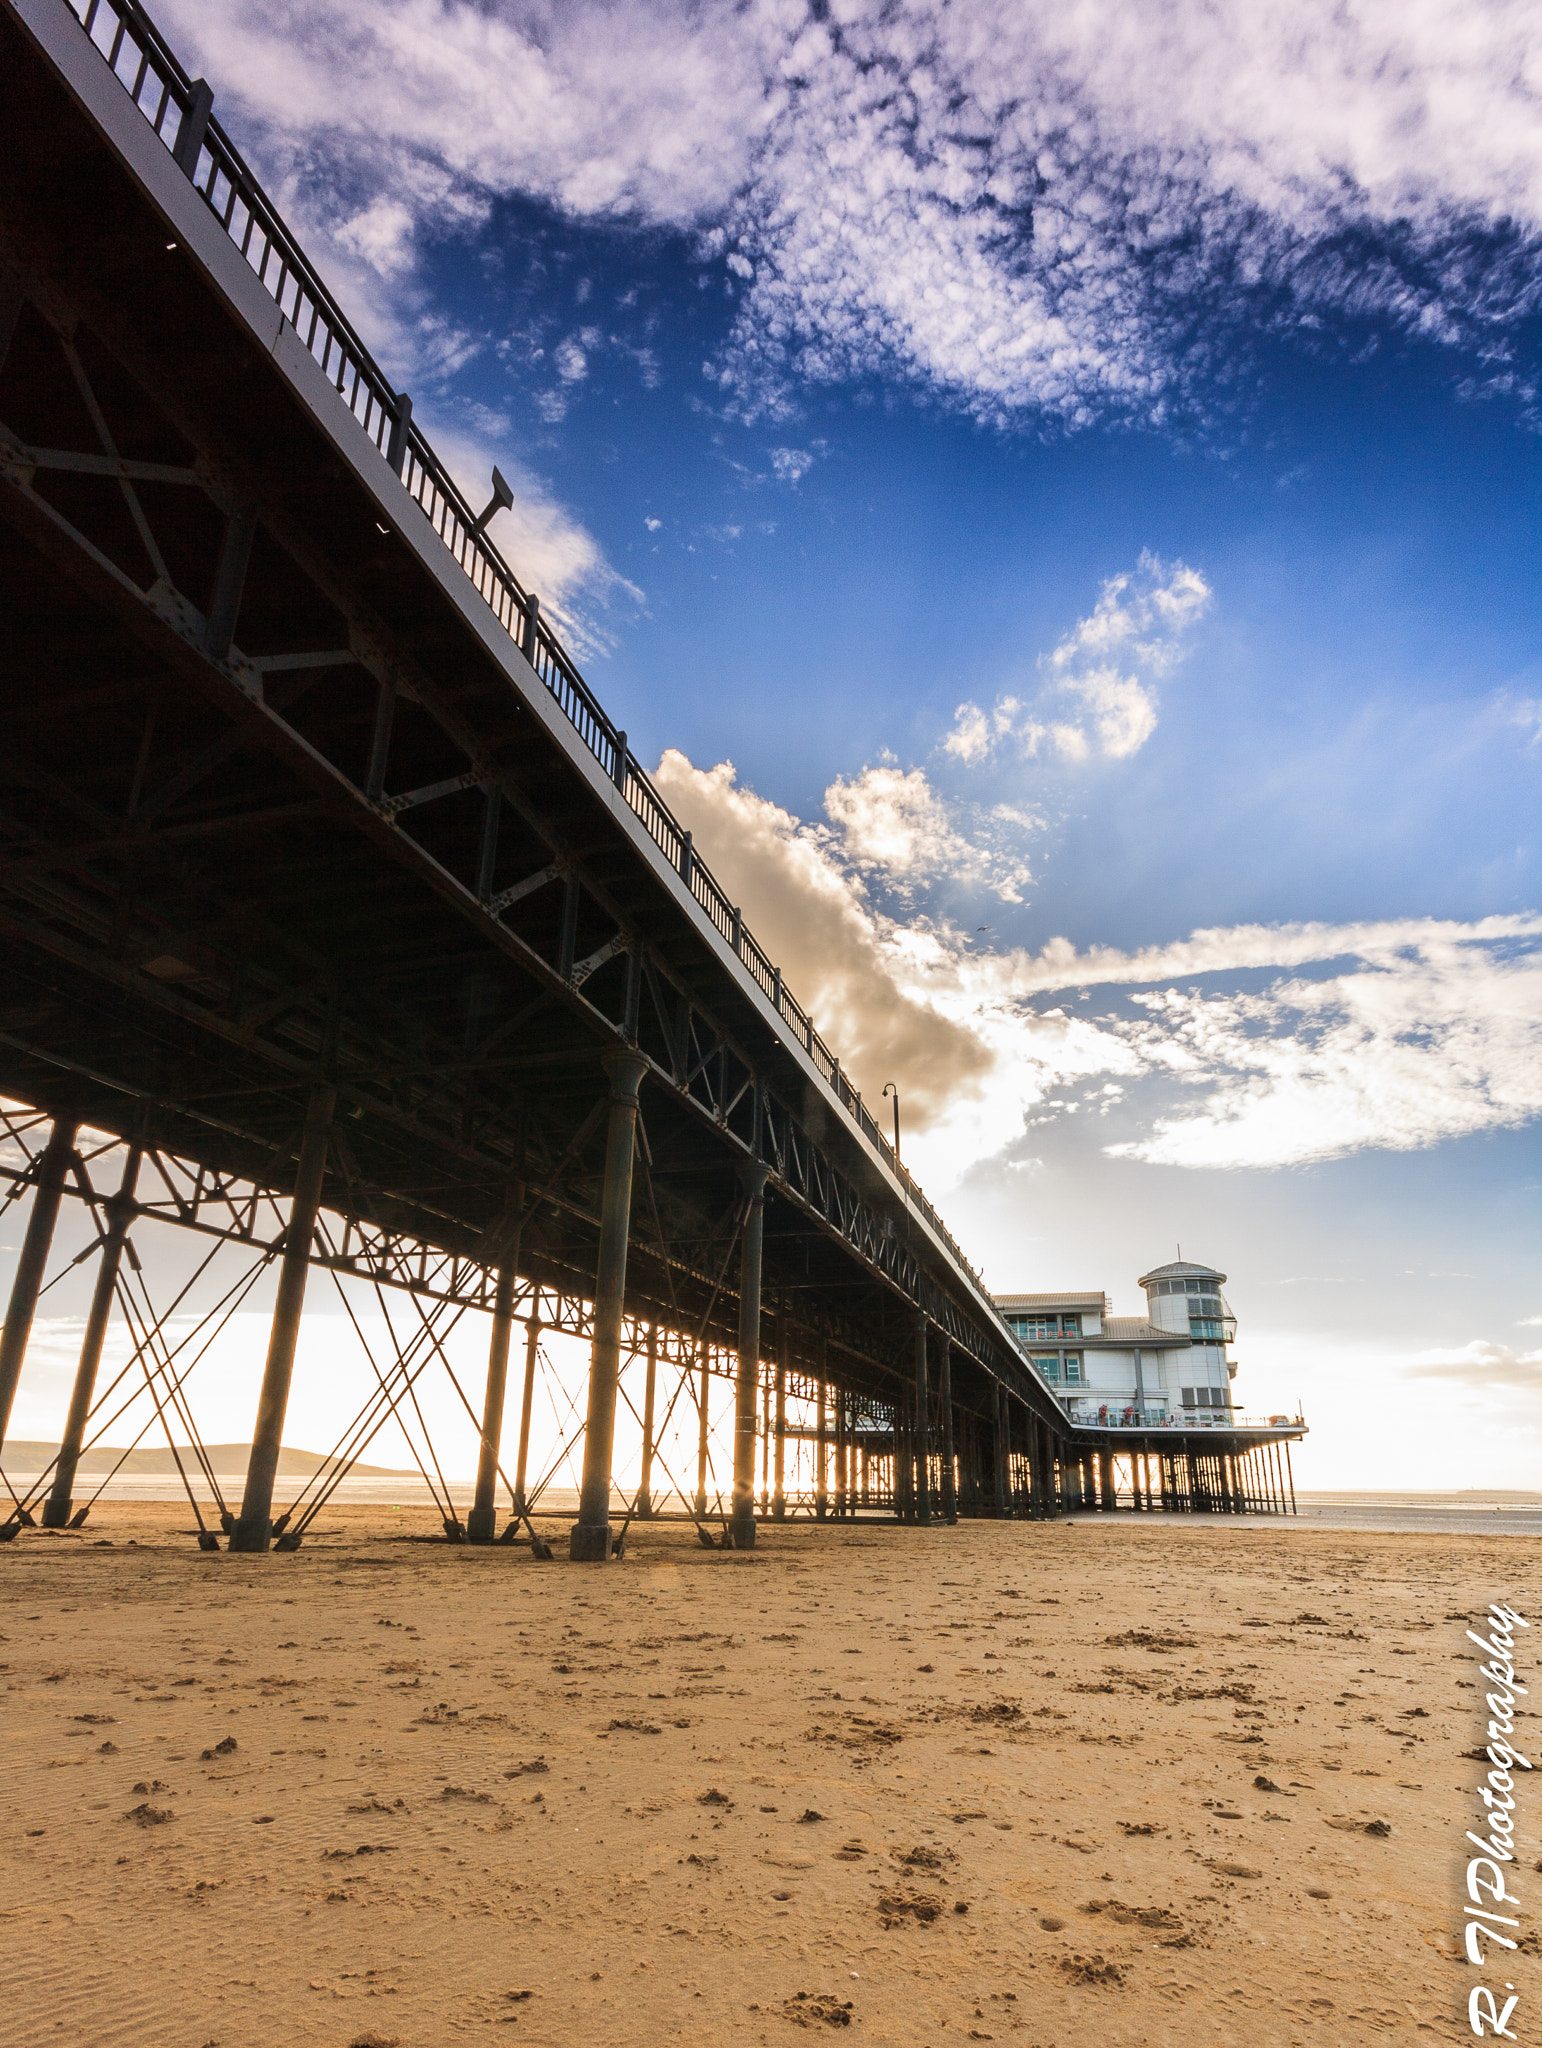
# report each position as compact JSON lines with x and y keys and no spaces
{"x":399,"y":445}
{"x":195,"y":125}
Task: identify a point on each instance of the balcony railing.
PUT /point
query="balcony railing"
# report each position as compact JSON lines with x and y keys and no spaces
{"x":178,"y":110}
{"x":1184,"y":1418}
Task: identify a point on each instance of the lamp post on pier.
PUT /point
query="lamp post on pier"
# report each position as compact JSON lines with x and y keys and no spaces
{"x":889,"y":1088}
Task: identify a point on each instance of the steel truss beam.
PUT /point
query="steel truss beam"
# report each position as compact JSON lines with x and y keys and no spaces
{"x":78,"y":878}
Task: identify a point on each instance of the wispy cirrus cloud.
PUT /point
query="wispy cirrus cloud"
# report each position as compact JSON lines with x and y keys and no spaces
{"x":1099,"y":694}
{"x":1041,"y":213}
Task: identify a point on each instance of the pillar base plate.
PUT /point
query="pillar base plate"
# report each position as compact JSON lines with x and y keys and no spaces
{"x":589,"y":1544}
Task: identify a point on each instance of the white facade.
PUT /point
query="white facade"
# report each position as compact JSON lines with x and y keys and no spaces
{"x":1168,"y":1366}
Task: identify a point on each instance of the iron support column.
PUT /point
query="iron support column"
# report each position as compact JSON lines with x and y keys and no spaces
{"x":28,"y":1283}
{"x":645,"y":1490}
{"x":741,"y":1526}
{"x":843,"y":1488}
{"x":765,"y":1444}
{"x":999,"y":1446}
{"x":589,"y":1540}
{"x":701,"y":1438}
{"x":120,"y":1213}
{"x":902,"y":1477}
{"x":779,"y":1495}
{"x":945,"y":1396}
{"x":1047,"y":1470}
{"x":821,"y":1493}
{"x":532,"y":1339}
{"x":254,"y":1526}
{"x":922,"y":1434}
{"x":481,"y":1523}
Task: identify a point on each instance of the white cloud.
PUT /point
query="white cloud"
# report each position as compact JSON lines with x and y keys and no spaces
{"x":1101,"y":677}
{"x":894,"y":824}
{"x":1483,"y":1365}
{"x":1245,"y":947}
{"x":791,"y":465}
{"x":1526,"y":712}
{"x":1060,"y":211}
{"x":1427,"y":1030}
{"x":601,"y":109}
{"x":1440,"y":1039}
{"x":812,"y":916}
{"x":571,"y":358}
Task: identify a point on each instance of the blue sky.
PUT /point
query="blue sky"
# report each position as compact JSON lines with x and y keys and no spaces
{"x":1080,"y":469}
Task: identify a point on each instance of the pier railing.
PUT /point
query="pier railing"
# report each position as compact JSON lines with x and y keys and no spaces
{"x":179,"y":111}
{"x":1185,"y":1418}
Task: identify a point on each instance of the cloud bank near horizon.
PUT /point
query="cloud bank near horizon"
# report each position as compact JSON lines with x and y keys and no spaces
{"x":1057,"y":215}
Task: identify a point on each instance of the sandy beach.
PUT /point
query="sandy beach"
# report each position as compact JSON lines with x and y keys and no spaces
{"x":1125,"y":1782}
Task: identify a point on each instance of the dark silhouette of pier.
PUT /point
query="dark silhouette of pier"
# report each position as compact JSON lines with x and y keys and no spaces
{"x":331,"y":895}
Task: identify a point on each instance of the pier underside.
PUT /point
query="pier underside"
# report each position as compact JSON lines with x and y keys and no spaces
{"x":340,"y":926}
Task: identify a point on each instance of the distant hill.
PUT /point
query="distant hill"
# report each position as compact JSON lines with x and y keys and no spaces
{"x":20,"y":1456}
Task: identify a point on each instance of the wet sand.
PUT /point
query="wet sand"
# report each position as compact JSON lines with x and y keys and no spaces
{"x":1127,"y":1782}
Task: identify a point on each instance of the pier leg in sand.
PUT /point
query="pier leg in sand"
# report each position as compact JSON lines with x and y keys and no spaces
{"x":254,"y":1525}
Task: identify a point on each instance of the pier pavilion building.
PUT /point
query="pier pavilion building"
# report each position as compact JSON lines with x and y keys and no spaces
{"x":1170,"y":1366}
